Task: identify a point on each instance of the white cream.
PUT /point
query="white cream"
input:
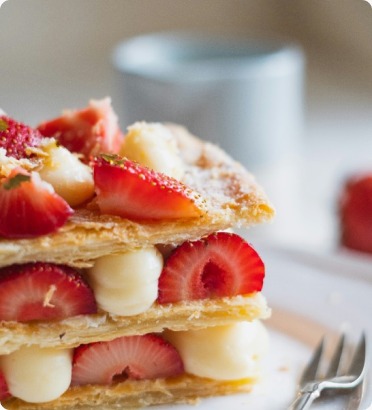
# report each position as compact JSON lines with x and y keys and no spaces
{"x":127,"y":284}
{"x":126,"y":301}
{"x":223,"y":352}
{"x":71,"y":179}
{"x":37,"y":375}
{"x":153,"y":145}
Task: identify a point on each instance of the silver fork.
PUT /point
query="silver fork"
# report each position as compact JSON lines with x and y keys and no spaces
{"x":311,"y":385}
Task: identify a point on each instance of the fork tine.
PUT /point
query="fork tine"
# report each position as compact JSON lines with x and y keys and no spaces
{"x":311,"y":388}
{"x":311,"y":369}
{"x":357,"y":365}
{"x":334,"y":366}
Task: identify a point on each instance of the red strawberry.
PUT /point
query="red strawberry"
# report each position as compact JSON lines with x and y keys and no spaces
{"x":356,"y":213}
{"x":132,"y":191}
{"x":4,"y":392}
{"x":29,"y":207}
{"x":43,"y":291}
{"x":88,"y":131}
{"x":15,"y":137}
{"x":133,"y":357}
{"x":221,"y":264}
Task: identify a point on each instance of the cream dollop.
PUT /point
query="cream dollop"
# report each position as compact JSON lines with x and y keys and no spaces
{"x":37,"y":375}
{"x":223,"y":352}
{"x":70,"y":178}
{"x":153,"y":145}
{"x":127,"y":284}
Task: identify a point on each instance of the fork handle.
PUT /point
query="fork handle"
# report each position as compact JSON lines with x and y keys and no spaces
{"x":304,"y":400}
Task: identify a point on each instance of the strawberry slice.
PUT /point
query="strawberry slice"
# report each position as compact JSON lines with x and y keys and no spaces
{"x":129,"y":357}
{"x":29,"y":207}
{"x":4,"y":392}
{"x":43,"y":291}
{"x":221,"y":264}
{"x":16,"y":137}
{"x":132,"y":191}
{"x":88,"y":131}
{"x":355,"y":209}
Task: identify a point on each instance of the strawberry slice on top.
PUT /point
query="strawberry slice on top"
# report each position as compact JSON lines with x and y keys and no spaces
{"x":221,"y":264}
{"x":128,"y":357}
{"x":127,"y":189}
{"x":29,"y":207}
{"x":16,"y":137}
{"x":87,"y":131}
{"x":43,"y":291}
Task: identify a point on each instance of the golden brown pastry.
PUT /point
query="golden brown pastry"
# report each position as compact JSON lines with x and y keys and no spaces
{"x":105,"y":326}
{"x":136,"y":394}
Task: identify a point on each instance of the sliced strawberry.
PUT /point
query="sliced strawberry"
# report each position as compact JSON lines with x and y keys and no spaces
{"x":15,"y":137}
{"x":132,"y":191}
{"x":4,"y":392}
{"x":29,"y":207}
{"x":43,"y":291}
{"x":221,"y":264}
{"x":133,"y":357}
{"x":88,"y":131}
{"x":356,"y":213}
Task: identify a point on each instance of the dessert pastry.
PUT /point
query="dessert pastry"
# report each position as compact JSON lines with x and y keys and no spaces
{"x":120,"y":283}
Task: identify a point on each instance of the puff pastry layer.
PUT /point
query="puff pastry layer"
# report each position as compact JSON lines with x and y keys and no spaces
{"x":133,"y":394}
{"x":103,"y":326}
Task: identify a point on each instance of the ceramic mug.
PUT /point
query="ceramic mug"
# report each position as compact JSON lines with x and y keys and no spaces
{"x":244,"y":95}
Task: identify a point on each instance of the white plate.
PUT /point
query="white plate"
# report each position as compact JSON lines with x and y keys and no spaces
{"x":310,"y":295}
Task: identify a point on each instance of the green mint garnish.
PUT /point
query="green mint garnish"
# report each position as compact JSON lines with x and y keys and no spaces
{"x":113,"y":159}
{"x":109,"y":157}
{"x":3,"y":125}
{"x":16,"y":181}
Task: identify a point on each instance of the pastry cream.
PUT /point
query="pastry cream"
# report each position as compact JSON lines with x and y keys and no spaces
{"x":223,"y":352}
{"x":37,"y":375}
{"x":70,"y":178}
{"x":127,"y":284}
{"x":153,"y":145}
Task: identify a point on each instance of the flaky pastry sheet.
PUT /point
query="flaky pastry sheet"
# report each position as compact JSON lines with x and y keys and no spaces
{"x":103,"y":326}
{"x":232,"y":198}
{"x":140,"y":393}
